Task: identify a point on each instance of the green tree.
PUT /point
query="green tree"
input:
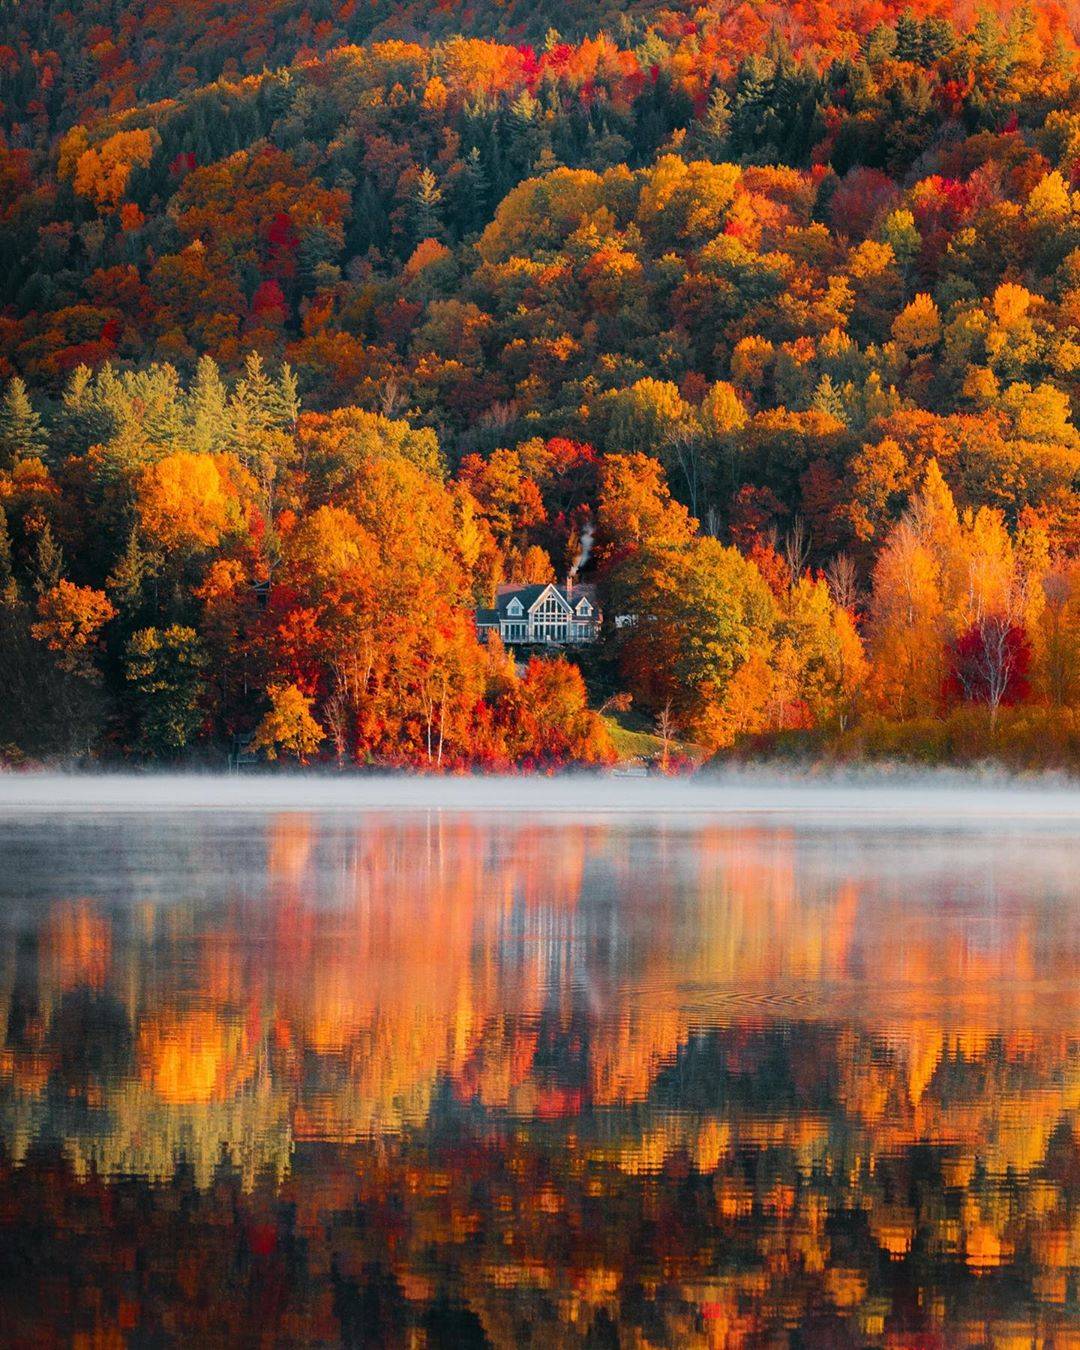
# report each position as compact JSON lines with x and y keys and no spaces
{"x":908,"y":38}
{"x":9,"y":588}
{"x":49,"y":561}
{"x":206,"y":408}
{"x":21,"y":434}
{"x":165,"y":671}
{"x":128,"y":577}
{"x":642,"y":417}
{"x":699,"y":612}
{"x":712,"y":132}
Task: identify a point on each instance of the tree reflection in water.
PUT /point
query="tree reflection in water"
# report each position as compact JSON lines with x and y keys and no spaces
{"x":456,"y":1080}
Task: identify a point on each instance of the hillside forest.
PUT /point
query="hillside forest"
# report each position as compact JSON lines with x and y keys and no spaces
{"x":320,"y":323}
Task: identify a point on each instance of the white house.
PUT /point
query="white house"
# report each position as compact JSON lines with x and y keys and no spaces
{"x":542,"y":613}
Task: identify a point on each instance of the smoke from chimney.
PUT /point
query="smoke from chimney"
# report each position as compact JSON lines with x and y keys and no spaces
{"x":584,"y":549}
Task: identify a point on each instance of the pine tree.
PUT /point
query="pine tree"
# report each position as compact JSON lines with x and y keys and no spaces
{"x":526,"y":132}
{"x":749,"y":106}
{"x":263,"y":413}
{"x":206,"y":408}
{"x":253,"y":398}
{"x":319,"y":251}
{"x":471,"y":194}
{"x":21,"y":436}
{"x":287,"y":398}
{"x":879,"y":44}
{"x":828,"y":399}
{"x":125,"y":582}
{"x":165,"y":670}
{"x":938,"y":39}
{"x":909,"y":46}
{"x":91,"y":410}
{"x":715,"y":125}
{"x":49,"y":563}
{"x":427,"y":201}
{"x":989,"y":41}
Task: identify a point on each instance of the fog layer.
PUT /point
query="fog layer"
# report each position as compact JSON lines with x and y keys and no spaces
{"x":948,"y":801}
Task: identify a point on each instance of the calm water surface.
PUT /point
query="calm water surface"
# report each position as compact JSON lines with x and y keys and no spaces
{"x":463,"y":1078}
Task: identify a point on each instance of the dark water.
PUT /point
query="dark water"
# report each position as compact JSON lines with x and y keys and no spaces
{"x":457,"y":1080}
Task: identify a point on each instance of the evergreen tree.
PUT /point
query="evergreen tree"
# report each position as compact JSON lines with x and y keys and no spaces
{"x":49,"y":562}
{"x":989,"y":42}
{"x":165,"y":670}
{"x":938,"y":39}
{"x":472,"y":196}
{"x":286,"y":403}
{"x":254,"y":397}
{"x":427,"y":203}
{"x":206,"y":408}
{"x":369,"y":221}
{"x":908,"y":38}
{"x":749,"y":107}
{"x":879,"y":44}
{"x":90,"y":410}
{"x":126,"y":580}
{"x":912,"y":121}
{"x":319,"y":251}
{"x":525,"y":133}
{"x":714,"y":126}
{"x":21,"y":435}
{"x":263,"y":413}
{"x":828,"y":399}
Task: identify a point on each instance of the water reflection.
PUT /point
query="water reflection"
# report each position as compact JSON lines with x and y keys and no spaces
{"x":455,"y":1080}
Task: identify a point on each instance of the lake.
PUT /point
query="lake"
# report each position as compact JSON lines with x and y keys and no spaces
{"x":581,"y":1062}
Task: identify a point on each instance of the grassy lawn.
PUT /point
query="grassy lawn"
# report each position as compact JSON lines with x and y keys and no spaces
{"x":632,"y":735}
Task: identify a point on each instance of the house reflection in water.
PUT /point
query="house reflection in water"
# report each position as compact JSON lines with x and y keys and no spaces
{"x":454,"y":1081}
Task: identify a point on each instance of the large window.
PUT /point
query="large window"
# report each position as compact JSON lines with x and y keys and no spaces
{"x":550,"y":620}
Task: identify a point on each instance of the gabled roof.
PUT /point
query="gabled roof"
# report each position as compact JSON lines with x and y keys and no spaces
{"x":531,"y":595}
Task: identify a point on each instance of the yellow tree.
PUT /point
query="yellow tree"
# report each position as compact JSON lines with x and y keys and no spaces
{"x":933,"y":515}
{"x":288,"y":725}
{"x":188,"y":501}
{"x":1057,"y":637}
{"x":102,"y":172}
{"x":918,"y":326}
{"x":832,"y":665}
{"x":906,"y":625}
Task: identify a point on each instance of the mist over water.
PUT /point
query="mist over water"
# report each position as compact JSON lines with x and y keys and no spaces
{"x":551,"y":1062}
{"x":906,"y":799}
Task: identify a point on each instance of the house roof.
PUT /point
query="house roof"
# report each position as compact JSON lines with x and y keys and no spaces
{"x":529,"y":595}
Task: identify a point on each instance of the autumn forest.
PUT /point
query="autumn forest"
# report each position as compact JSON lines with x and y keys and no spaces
{"x":320,"y":324}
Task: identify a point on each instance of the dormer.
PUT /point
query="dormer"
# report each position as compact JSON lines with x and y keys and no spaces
{"x":584,"y":609}
{"x":514,"y":608}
